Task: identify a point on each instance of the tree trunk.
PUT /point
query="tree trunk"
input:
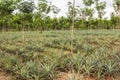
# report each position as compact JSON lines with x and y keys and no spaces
{"x":72,"y":27}
{"x":3,"y":29}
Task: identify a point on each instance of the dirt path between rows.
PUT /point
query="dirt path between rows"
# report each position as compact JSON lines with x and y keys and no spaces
{"x":4,"y":76}
{"x":72,"y":76}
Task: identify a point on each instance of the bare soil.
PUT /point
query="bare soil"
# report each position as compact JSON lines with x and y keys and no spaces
{"x":70,"y":76}
{"x":4,"y":76}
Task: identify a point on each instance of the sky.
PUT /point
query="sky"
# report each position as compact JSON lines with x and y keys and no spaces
{"x":62,"y":4}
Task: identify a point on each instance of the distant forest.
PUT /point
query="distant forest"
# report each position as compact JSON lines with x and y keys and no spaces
{"x":25,"y":15}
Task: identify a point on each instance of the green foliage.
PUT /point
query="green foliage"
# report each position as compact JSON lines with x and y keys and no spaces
{"x":7,"y":7}
{"x":100,"y":6}
{"x":32,"y":17}
{"x":44,"y":56}
{"x":116,"y":6}
{"x":88,"y":2}
{"x":26,"y":6}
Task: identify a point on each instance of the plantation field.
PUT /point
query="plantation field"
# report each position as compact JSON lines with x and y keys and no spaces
{"x":45,"y":55}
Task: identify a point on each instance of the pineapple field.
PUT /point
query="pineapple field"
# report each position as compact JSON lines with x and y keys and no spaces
{"x":46,"y":55}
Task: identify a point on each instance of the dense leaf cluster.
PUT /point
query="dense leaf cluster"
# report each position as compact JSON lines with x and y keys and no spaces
{"x":25,"y":15}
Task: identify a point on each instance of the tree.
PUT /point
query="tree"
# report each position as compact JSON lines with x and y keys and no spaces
{"x":37,"y":21}
{"x":63,"y":23}
{"x":72,"y":27}
{"x":44,"y":8}
{"x":6,"y":8}
{"x":88,"y":11}
{"x":70,"y":11}
{"x":55,"y":9}
{"x":116,"y":6}
{"x":26,"y":7}
{"x":16,"y":21}
{"x":88,"y":2}
{"x":100,"y":6}
{"x":114,"y":20}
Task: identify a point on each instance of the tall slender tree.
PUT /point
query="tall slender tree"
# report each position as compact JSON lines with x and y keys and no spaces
{"x":44,"y":8}
{"x":70,"y":11}
{"x":72,"y":27}
{"x":26,"y":7}
{"x":88,"y":10}
{"x":116,"y":6}
{"x":100,"y":6}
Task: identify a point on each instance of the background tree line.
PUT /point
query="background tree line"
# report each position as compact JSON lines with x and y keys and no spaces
{"x":25,"y":15}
